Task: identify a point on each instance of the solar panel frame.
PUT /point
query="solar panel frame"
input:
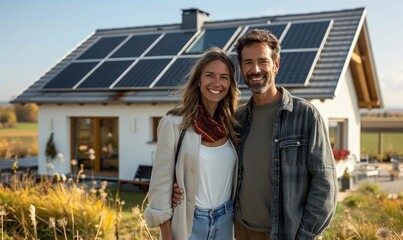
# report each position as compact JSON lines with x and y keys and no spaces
{"x":103,"y":47}
{"x":105,"y":74}
{"x":70,"y":75}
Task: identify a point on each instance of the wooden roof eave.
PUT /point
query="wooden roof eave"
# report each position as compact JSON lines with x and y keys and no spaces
{"x":364,"y":73}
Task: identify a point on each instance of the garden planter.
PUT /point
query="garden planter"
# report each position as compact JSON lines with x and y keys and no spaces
{"x":346,"y":184}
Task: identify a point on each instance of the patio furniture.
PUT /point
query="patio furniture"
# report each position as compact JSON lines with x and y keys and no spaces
{"x":141,"y":178}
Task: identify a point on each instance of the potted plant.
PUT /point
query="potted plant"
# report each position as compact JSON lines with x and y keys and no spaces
{"x":346,"y":181}
{"x":340,"y":154}
{"x":50,"y":151}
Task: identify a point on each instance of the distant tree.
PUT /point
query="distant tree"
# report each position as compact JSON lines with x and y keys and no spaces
{"x":7,"y":117}
{"x":26,"y":113}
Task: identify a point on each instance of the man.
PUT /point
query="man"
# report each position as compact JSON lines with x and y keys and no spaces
{"x":287,"y":182}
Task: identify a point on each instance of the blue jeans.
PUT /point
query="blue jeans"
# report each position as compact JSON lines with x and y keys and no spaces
{"x":214,"y":224}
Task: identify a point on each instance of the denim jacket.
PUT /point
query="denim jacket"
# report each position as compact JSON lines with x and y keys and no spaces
{"x":304,"y":182}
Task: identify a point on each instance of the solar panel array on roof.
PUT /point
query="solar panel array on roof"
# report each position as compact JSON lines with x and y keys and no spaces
{"x":300,"y":48}
{"x":146,"y":60}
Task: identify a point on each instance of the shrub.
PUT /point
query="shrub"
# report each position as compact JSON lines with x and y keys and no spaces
{"x":368,"y":214}
{"x":7,"y":119}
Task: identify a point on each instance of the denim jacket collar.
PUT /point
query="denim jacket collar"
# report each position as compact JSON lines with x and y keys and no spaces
{"x":286,"y":101}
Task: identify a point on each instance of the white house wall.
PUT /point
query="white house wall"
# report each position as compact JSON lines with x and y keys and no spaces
{"x":344,"y":106}
{"x":135,"y":132}
{"x":135,"y":127}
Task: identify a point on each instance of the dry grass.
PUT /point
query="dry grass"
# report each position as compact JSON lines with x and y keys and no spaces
{"x":61,"y":208}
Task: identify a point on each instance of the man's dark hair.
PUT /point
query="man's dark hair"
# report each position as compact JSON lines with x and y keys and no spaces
{"x":258,"y":36}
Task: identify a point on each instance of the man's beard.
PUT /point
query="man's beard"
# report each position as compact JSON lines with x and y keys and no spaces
{"x":257,"y":87}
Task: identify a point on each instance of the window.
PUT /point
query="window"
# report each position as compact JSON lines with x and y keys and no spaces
{"x":155,"y":122}
{"x":338,"y":133}
{"x":99,"y":134}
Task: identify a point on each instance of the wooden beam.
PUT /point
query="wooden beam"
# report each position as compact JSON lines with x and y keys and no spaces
{"x":357,"y":62}
{"x":356,"y":58}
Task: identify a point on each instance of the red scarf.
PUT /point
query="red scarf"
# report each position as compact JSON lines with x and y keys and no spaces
{"x":211,"y":129}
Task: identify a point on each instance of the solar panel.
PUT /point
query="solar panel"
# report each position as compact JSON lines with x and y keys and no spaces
{"x":70,"y":76}
{"x":295,"y":68}
{"x":176,"y":73}
{"x":238,"y":76}
{"x":105,"y":75}
{"x":102,"y":47}
{"x":305,"y":35}
{"x":301,"y":44}
{"x":277,"y":29}
{"x":135,"y":46}
{"x":212,"y":37}
{"x":170,"y":44}
{"x":143,"y":73}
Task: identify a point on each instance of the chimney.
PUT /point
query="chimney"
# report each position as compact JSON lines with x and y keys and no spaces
{"x":194,"y":18}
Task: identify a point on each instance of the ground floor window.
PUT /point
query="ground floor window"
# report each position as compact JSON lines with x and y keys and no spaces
{"x":155,"y":122}
{"x":101,"y":135}
{"x":338,"y":133}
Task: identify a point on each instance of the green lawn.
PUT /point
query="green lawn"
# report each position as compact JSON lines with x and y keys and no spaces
{"x":22,"y":140}
{"x":20,"y":128}
{"x":27,"y":126}
{"x":392,"y":144}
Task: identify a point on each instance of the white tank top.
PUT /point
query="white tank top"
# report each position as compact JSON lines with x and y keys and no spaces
{"x":216,"y":170}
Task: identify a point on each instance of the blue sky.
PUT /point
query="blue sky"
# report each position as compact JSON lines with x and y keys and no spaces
{"x":35,"y":35}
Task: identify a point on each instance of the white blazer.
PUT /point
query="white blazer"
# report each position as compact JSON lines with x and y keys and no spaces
{"x":160,"y":208}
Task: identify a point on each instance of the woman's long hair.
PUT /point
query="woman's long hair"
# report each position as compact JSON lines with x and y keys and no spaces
{"x":187,"y":106}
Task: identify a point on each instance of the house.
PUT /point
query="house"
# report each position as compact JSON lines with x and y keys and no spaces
{"x":109,"y":92}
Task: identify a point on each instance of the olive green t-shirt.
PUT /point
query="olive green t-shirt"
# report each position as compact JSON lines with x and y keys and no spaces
{"x":255,"y":190}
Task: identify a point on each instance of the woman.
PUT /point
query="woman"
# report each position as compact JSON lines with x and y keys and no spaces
{"x":206,"y":167}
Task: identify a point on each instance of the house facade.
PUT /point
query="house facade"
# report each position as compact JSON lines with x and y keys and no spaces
{"x":109,"y":92}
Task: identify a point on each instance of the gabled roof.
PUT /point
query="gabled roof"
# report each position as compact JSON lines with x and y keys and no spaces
{"x":142,"y":64}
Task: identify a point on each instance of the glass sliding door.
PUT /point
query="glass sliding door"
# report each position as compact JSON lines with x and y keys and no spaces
{"x":108,"y":140}
{"x":101,"y":135}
